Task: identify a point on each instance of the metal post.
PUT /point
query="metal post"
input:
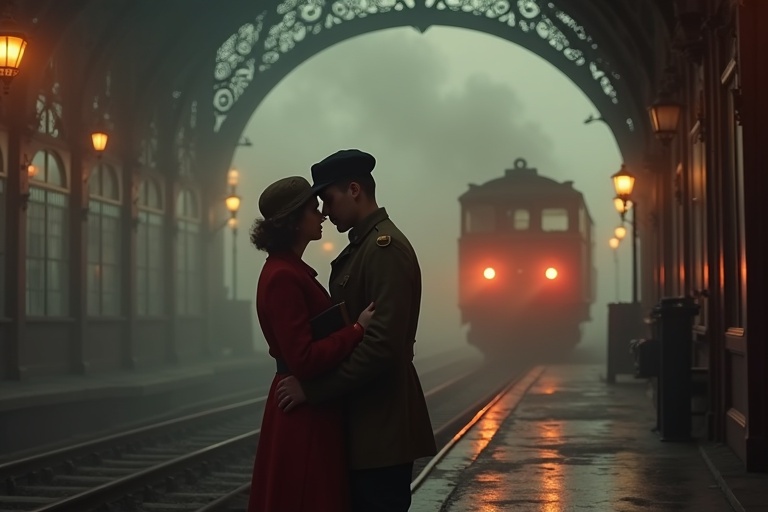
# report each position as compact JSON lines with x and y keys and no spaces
{"x":234,"y":263}
{"x":634,"y":252}
{"x":616,"y":269}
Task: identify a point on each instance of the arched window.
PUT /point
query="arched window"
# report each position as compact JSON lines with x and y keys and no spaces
{"x":2,"y":233}
{"x":188,"y":247}
{"x":104,"y":242}
{"x":48,"y":238}
{"x":150,"y":292}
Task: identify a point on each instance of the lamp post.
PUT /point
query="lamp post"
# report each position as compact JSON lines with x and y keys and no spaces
{"x":614,"y":244}
{"x":13,"y":42}
{"x":233,"y":205}
{"x":624,"y":183}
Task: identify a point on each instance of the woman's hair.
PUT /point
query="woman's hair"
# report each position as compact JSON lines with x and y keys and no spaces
{"x":274,"y":235}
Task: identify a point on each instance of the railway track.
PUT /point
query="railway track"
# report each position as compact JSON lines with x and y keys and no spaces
{"x":201,"y":462}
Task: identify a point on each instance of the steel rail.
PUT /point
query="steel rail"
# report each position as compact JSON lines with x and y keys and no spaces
{"x":488,"y":401}
{"x":218,"y":504}
{"x":116,"y":489}
{"x":119,"y":488}
{"x":38,"y":461}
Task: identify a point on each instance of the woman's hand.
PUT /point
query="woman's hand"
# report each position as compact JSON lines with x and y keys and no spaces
{"x":365,"y":317}
{"x":289,"y":393}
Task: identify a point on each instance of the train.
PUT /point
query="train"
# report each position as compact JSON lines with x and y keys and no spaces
{"x":526,"y":271}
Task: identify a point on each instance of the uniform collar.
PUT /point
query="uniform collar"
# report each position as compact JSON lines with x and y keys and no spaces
{"x":363,"y":227}
{"x":292,"y":258}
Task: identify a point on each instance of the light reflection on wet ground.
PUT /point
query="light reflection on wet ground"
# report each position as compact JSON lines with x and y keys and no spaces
{"x":576,"y":443}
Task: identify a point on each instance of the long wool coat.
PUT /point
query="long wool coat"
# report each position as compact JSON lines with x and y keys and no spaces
{"x":301,"y":462}
{"x":387,"y":418}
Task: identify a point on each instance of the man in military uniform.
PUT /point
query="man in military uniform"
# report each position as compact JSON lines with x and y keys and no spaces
{"x":388,"y":422}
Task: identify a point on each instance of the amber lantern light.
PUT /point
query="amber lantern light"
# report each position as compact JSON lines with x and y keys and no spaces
{"x":99,"y":138}
{"x":233,"y":203}
{"x":13,"y":43}
{"x":665,"y":116}
{"x":233,"y":177}
{"x":623,"y":183}
{"x":614,"y":243}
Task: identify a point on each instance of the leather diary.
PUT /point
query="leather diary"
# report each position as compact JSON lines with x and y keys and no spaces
{"x":329,"y":321}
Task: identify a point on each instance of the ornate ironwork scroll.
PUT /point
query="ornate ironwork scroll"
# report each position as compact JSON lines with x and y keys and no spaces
{"x":255,"y":48}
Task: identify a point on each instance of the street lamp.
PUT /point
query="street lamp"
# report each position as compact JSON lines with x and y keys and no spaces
{"x":13,"y":42}
{"x":624,"y":184}
{"x":233,"y":178}
{"x":665,"y":116}
{"x":614,"y":244}
{"x":99,"y":138}
{"x":620,"y":232}
{"x":233,"y":205}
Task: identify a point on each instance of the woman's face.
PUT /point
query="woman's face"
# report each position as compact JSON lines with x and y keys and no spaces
{"x":311,"y":223}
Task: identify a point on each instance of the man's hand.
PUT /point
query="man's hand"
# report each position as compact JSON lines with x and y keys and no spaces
{"x":289,"y":393}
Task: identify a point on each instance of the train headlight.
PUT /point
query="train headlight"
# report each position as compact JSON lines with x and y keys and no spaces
{"x":550,"y":273}
{"x":489,"y":273}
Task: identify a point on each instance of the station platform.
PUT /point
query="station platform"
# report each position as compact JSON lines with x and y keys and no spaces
{"x":562,"y":439}
{"x":43,"y":413}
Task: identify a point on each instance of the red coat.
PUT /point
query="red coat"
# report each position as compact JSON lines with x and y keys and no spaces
{"x":301,"y":462}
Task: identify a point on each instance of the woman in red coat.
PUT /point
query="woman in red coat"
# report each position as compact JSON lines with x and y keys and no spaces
{"x":300,"y":460}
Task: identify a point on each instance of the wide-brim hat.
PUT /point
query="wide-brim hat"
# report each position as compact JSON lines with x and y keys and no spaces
{"x":342,"y":165}
{"x":284,"y":197}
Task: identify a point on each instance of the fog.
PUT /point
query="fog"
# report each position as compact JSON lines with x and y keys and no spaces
{"x":438,"y":111}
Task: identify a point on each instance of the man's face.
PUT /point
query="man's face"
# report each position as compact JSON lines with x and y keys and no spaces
{"x":339,"y":205}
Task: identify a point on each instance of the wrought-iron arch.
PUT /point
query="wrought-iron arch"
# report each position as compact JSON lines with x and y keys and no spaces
{"x":254,"y":59}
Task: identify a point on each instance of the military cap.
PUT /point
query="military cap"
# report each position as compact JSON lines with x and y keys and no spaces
{"x":284,"y":196}
{"x":342,"y":165}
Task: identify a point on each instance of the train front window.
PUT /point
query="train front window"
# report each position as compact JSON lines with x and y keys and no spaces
{"x":518,"y":219}
{"x":554,"y":219}
{"x":480,"y":219}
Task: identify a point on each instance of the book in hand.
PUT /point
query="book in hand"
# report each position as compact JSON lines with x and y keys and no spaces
{"x":329,"y":321}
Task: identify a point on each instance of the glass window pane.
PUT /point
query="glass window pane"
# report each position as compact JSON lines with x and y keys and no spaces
{"x":519,"y":219}
{"x":481,"y":219}
{"x":554,"y":219}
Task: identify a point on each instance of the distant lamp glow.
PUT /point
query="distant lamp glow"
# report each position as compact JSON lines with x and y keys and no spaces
{"x":621,"y":205}
{"x":99,"y":138}
{"x":233,"y":177}
{"x":489,"y":273}
{"x":13,"y":43}
{"x":233,"y":203}
{"x":328,"y":246}
{"x":31,"y":170}
{"x":232,"y":222}
{"x":620,"y":232}
{"x":614,"y":243}
{"x":623,"y":183}
{"x":550,"y":273}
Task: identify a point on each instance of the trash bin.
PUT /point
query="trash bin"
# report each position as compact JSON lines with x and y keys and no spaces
{"x":674,"y":330}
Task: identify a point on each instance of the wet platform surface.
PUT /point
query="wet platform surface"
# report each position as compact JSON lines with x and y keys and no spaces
{"x":570,"y":442}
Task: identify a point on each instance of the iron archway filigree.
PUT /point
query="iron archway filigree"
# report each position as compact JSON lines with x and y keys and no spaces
{"x":255,"y":48}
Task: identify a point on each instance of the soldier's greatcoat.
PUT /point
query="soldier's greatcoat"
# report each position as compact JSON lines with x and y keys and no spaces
{"x":387,"y":419}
